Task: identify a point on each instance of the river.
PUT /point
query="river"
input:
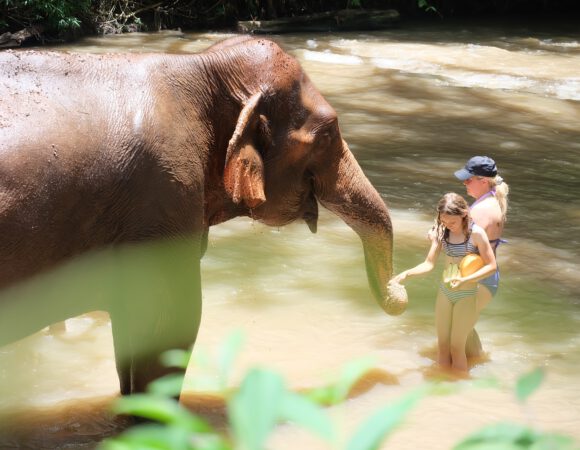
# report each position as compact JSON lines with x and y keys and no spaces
{"x":414,"y":103}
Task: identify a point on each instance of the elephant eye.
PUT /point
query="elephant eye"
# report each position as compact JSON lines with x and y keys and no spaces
{"x":327,"y":130}
{"x":325,"y":136}
{"x":324,"y":139}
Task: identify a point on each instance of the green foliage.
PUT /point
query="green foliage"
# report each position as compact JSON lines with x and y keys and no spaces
{"x":376,"y":428}
{"x":117,"y":16}
{"x":338,"y":391}
{"x":59,"y":15}
{"x":512,"y":436}
{"x":263,"y":401}
{"x":428,"y":7}
{"x":212,"y":371}
{"x":527,"y":384}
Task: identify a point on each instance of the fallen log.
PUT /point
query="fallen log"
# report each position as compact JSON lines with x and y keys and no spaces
{"x":341,"y":20}
{"x":8,"y":40}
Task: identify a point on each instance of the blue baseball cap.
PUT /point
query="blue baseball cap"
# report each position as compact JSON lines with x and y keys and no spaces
{"x":480,"y":166}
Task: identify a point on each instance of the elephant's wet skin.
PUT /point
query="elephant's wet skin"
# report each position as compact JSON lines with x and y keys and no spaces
{"x":109,"y":150}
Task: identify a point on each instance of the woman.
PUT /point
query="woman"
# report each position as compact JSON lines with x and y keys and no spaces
{"x":481,"y":179}
{"x":455,"y":309}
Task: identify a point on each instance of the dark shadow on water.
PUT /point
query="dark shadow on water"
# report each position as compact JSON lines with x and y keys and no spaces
{"x":76,"y":425}
{"x":213,"y":407}
{"x":370,"y":379}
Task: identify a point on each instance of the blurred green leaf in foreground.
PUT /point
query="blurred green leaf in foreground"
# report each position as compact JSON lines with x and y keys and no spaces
{"x":263,"y":401}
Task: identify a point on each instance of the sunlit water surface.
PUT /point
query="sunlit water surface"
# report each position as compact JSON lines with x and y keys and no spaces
{"x":413,"y":104}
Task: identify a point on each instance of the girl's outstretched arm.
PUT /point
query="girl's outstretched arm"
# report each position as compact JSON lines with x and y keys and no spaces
{"x":425,"y":267}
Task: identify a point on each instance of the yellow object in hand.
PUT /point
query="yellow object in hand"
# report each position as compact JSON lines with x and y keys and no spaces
{"x":470,"y":264}
{"x":451,"y":272}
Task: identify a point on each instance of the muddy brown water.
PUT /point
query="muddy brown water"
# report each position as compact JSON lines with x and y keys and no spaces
{"x":413,"y":103}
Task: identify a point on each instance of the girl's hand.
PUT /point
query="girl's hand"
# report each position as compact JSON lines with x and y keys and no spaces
{"x":432,"y":234}
{"x":456,"y":282}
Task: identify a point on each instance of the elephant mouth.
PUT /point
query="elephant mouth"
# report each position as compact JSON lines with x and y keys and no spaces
{"x":308,"y":211}
{"x":308,"y":214}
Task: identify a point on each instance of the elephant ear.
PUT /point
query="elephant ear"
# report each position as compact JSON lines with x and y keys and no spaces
{"x":244,"y":168}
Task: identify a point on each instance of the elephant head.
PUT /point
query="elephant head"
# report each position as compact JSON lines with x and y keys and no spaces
{"x":286,"y":154}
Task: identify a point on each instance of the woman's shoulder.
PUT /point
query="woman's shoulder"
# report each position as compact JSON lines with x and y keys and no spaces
{"x":486,"y":214}
{"x":489,"y":206}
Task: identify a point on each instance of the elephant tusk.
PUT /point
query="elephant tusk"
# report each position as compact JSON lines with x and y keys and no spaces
{"x":311,"y":221}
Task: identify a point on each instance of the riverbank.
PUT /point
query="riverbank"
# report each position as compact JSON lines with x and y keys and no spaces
{"x":39,"y":22}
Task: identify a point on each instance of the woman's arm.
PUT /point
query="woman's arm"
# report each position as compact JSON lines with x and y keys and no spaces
{"x":480,"y":240}
{"x":425,"y":267}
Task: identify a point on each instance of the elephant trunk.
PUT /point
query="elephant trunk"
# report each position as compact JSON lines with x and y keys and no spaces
{"x":346,"y":191}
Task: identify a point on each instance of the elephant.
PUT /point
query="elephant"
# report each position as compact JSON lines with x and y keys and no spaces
{"x":111,"y":151}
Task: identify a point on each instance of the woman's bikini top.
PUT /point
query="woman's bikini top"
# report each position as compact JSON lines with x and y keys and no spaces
{"x":493,"y":242}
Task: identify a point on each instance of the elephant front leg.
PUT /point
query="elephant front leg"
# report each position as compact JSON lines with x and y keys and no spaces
{"x":137,"y":352}
{"x":157,"y":308}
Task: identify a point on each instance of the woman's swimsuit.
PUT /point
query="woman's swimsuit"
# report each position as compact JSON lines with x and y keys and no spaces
{"x":491,"y":282}
{"x":457,"y":251}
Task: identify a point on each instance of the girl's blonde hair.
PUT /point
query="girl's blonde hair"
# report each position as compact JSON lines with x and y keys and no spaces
{"x":501,"y":193}
{"x":452,"y":204}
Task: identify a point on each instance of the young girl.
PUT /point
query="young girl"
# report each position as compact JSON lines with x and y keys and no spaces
{"x":455,"y":310}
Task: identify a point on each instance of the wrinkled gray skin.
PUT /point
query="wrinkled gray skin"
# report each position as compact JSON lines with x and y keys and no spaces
{"x":105,"y":150}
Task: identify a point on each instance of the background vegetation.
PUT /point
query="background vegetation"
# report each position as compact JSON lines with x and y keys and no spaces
{"x":65,"y":19}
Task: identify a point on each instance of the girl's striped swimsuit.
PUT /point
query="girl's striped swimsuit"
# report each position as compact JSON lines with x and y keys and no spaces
{"x":458,"y":251}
